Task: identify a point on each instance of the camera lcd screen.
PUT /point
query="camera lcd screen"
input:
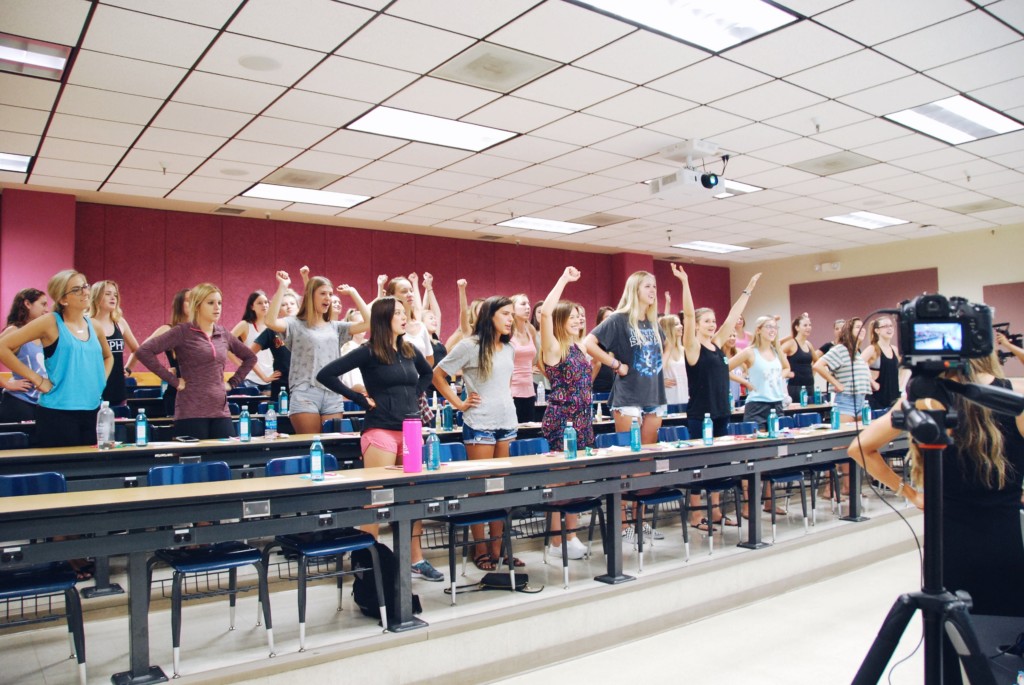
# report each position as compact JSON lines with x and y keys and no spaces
{"x":938,"y":337}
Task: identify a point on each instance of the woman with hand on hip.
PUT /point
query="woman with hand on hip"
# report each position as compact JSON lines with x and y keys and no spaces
{"x":105,"y":308}
{"x":844,"y":369}
{"x":801,"y":356}
{"x":253,"y":323}
{"x":884,"y":362}
{"x":20,"y":396}
{"x":77,"y":364}
{"x":315,"y":341}
{"x":486,"y":362}
{"x":201,"y":348}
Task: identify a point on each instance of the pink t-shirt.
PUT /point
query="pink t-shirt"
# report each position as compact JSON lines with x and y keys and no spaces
{"x":522,"y":371}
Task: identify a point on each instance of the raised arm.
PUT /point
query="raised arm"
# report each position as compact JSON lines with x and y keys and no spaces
{"x":691,"y":346}
{"x":463,"y":331}
{"x":1013,"y":349}
{"x":364,"y":325}
{"x":382,"y":280}
{"x":417,"y":302}
{"x":429,"y":299}
{"x":283,"y":283}
{"x":737,"y":309}
{"x":550,"y":350}
{"x":668,"y":304}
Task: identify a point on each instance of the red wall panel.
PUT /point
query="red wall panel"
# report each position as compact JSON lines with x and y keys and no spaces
{"x":349,"y":255}
{"x":299,"y":245}
{"x":1008,"y":300}
{"x":475,"y":263}
{"x":140,"y":278}
{"x":250,"y":258}
{"x":90,"y":239}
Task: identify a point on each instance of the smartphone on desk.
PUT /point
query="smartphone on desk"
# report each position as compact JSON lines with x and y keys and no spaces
{"x":186,"y":438}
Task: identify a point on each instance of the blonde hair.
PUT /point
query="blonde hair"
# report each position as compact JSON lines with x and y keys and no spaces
{"x":758,"y":338}
{"x":632,"y":307}
{"x":673,"y":340}
{"x":559,"y":319}
{"x":97,"y":295}
{"x":196,"y":295}
{"x":57,"y":287}
{"x":307,"y":310}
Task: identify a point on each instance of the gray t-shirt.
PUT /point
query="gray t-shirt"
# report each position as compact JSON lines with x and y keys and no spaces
{"x":496,"y":409}
{"x":644,"y":385}
{"x":313,"y":349}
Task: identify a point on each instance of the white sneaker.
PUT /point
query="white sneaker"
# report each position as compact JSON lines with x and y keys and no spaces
{"x":652,"y":534}
{"x":555,"y":551}
{"x":577,"y":548}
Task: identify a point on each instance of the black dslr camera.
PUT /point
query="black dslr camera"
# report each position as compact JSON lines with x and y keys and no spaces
{"x":1014,"y":338}
{"x":938,"y":334}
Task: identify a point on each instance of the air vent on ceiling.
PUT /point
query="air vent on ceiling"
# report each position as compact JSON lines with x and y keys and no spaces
{"x":490,"y":237}
{"x":834,"y":164}
{"x":231,"y":211}
{"x":300,"y":178}
{"x":760,"y":242}
{"x":979,"y":206}
{"x":490,"y":66}
{"x":601,"y":219}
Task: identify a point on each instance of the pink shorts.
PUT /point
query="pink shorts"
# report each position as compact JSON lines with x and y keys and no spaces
{"x":388,"y":441}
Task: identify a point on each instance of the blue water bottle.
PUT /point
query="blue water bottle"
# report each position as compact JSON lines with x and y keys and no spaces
{"x":447,"y":416}
{"x":141,"y":429}
{"x":433,"y":447}
{"x":634,"y":436}
{"x":835,"y":418}
{"x":569,"y":440}
{"x":316,"y":460}
{"x":708,"y":430}
{"x":803,"y":395}
{"x":243,"y":426}
{"x":817,"y":395}
{"x":282,"y":402}
{"x":773,"y":424}
{"x":865,"y":415}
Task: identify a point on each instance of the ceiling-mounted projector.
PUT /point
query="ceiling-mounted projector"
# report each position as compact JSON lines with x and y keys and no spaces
{"x":685,"y":180}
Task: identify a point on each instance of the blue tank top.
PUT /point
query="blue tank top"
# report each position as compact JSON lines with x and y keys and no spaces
{"x":766,"y":376}
{"x":76,"y":370}
{"x":31,"y":355}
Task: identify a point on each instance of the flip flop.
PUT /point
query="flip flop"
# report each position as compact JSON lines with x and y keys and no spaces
{"x":485,"y":561}
{"x":726,"y":521}
{"x":518,"y":563}
{"x":703,"y":526}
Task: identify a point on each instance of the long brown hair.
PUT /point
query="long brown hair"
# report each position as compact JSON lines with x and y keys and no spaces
{"x":485,"y":332}
{"x":381,"y":313}
{"x":178,"y":314}
{"x":307,"y":309}
{"x":19,"y":306}
{"x":847,"y":338}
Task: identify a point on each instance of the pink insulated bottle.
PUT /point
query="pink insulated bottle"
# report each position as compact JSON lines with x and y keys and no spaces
{"x":412,"y":444}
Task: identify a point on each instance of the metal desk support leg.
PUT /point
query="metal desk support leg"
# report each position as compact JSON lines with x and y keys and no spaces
{"x":102,"y":586}
{"x":141,"y":672}
{"x":401,"y":539}
{"x":855,"y":483}
{"x":613,"y":540}
{"x":754,"y":540}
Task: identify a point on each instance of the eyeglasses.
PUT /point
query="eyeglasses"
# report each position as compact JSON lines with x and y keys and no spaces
{"x":78,"y":290}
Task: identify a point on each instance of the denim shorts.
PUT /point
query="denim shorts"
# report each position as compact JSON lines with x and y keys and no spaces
{"x":635,"y":412}
{"x":849,"y":404}
{"x":312,"y":400}
{"x":472,"y":436}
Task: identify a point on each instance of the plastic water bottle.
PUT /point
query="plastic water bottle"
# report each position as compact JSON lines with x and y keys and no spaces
{"x":803,"y":395}
{"x":105,"y":427}
{"x":732,"y":402}
{"x":141,"y":429}
{"x":634,"y":436}
{"x":569,"y":440}
{"x":282,"y":402}
{"x":244,"y":433}
{"x":865,"y":415}
{"x":817,"y":395}
{"x":433,"y":449}
{"x":439,"y":415}
{"x":270,"y":422}
{"x":835,"y":418}
{"x":708,"y":430}
{"x":316,"y":460}
{"x":447,"y":417}
{"x":541,"y":395}
{"x":773,"y":424}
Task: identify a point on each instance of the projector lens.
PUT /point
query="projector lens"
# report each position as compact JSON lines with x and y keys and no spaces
{"x":709,"y":180}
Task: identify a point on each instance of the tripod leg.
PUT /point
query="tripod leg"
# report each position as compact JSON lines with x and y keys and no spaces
{"x":960,"y":632}
{"x":889,"y":635}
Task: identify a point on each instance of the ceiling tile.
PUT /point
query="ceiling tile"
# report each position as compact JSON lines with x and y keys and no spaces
{"x":92,"y":130}
{"x":116,"y":31}
{"x":18,"y":143}
{"x":768,"y":100}
{"x":209,"y":198}
{"x":994,"y":66}
{"x":105,"y":104}
{"x":588,"y":160}
{"x":145,"y":178}
{"x":581,"y":129}
{"x":258,"y":60}
{"x":196,"y":119}
{"x":359,"y":144}
{"x":212,"y":13}
{"x":935,"y":160}
{"x":441,"y":98}
{"x":824,"y":116}
{"x":488,"y":165}
{"x":640,"y":57}
{"x":572,"y":88}
{"x":123,"y":75}
{"x":540,"y":31}
{"x":23,"y":120}
{"x":314,"y":108}
{"x":951,"y":40}
{"x":640,"y":106}
{"x":468,"y":17}
{"x":362,"y":186}
{"x":68,"y":169}
{"x":162,"y":139}
{"x":531,"y":149}
{"x":257,"y":153}
{"x":862,"y":133}
{"x":389,"y":171}
{"x":77,"y":151}
{"x":899,"y":148}
{"x":505,"y":189}
{"x":848,"y":74}
{"x":702,"y":123}
{"x":546,"y":175}
{"x":752,"y":137}
{"x":314,"y":24}
{"x":897,"y":95}
{"x":426,"y":155}
{"x":419,"y":194}
{"x":59,"y":21}
{"x":52,"y":181}
{"x":20,"y":91}
{"x":356,"y":80}
{"x":449,"y":180}
{"x":224,"y":187}
{"x":223,"y":92}
{"x":592,"y":184}
{"x":403,"y":44}
{"x":515,"y":114}
{"x":795,"y":151}
{"x":1002,"y":96}
{"x":970,"y":173}
{"x":126,"y":189}
{"x":774,"y":53}
{"x":638,"y":170}
{"x":636,"y":143}
{"x":158,"y":161}
{"x":283,"y":132}
{"x":710,"y":80}
{"x":860,"y":20}
{"x":231,"y":170}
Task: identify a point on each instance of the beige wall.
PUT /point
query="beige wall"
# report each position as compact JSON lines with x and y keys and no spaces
{"x":966,"y":262}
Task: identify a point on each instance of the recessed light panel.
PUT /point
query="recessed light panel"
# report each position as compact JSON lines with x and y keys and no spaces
{"x":397,"y":123}
{"x":733,"y":188}
{"x":268,"y":191}
{"x":18,"y":163}
{"x":955,"y":120}
{"x":708,"y":246}
{"x":32,"y":57}
{"x":549,"y":225}
{"x":711,"y":24}
{"x":866,"y":220}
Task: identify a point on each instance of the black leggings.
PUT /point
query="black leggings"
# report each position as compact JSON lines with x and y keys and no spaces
{"x":14,"y":409}
{"x":205,"y":429}
{"x":65,"y":427}
{"x":526,"y":408}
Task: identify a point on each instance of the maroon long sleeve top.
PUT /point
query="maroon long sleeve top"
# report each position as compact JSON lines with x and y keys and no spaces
{"x":201,"y":361}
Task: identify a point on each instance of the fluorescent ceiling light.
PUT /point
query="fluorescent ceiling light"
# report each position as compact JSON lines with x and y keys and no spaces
{"x":397,"y":123}
{"x":955,"y":120}
{"x":711,"y":24}
{"x":32,"y":57}
{"x":865,"y":220}
{"x":551,"y":226}
{"x":268,"y":191}
{"x":708,"y":246}
{"x":9,"y":162}
{"x":736,"y":188}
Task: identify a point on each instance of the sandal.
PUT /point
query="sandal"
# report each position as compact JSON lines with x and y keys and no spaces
{"x":485,"y":561}
{"x":726,"y":521}
{"x":518,"y":563}
{"x":703,"y":526}
{"x":83,"y":568}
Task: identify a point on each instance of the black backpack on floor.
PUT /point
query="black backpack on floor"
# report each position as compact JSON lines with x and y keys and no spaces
{"x":364,"y":589}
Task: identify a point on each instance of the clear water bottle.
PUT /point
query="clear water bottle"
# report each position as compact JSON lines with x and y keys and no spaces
{"x":316,"y":460}
{"x":270,"y":422}
{"x":105,"y":427}
{"x":447,"y":417}
{"x":141,"y":429}
{"x":773,"y":424}
{"x":835,"y":418}
{"x":803,"y":395}
{"x":708,"y":430}
{"x":817,"y":395}
{"x":439,"y":415}
{"x":732,"y":402}
{"x":634,"y":436}
{"x":433,"y":447}
{"x":541,"y":394}
{"x":569,"y":440}
{"x":282,"y":402}
{"x":244,"y":426}
{"x":865,"y":415}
